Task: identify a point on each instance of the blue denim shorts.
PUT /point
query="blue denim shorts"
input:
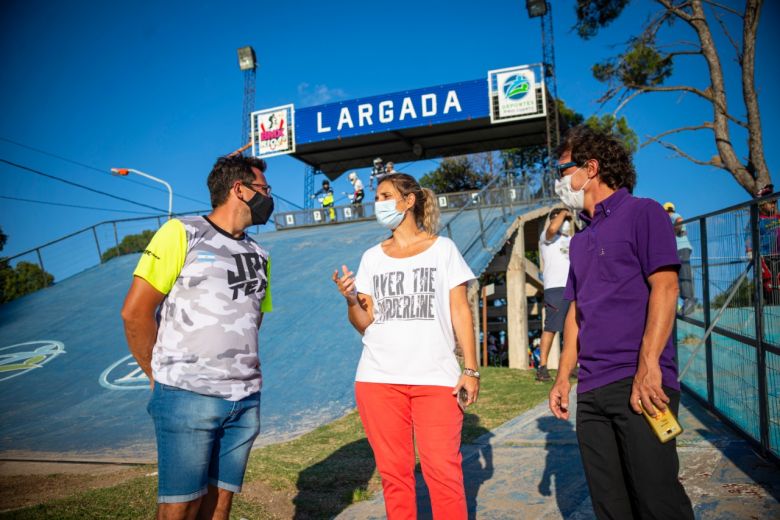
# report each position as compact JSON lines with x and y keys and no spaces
{"x":201,"y":440}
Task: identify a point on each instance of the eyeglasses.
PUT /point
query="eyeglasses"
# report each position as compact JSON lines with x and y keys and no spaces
{"x":560,"y":168}
{"x":265,"y":188}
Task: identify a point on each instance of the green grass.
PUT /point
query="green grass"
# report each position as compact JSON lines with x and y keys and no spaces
{"x":324,"y":471}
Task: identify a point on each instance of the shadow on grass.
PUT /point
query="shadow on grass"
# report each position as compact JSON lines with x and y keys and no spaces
{"x":330,"y":486}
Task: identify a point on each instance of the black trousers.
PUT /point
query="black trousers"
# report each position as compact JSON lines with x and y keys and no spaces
{"x":630,"y":473}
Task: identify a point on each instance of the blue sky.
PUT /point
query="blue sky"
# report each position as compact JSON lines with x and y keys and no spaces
{"x":156,"y":86}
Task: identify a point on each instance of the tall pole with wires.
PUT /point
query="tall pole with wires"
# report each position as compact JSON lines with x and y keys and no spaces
{"x":247,"y":62}
{"x":543,"y":10}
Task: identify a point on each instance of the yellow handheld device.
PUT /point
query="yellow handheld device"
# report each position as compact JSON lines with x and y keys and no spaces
{"x":664,"y":424}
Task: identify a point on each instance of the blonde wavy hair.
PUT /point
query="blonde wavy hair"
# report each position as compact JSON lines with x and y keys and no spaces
{"x":425,"y":209}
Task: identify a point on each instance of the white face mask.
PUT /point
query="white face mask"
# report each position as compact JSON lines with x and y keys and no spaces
{"x":565,"y":227}
{"x":386,"y":213}
{"x":573,"y":199}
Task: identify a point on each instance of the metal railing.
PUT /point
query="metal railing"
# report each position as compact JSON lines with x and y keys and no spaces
{"x":88,"y":247}
{"x":93,"y":245}
{"x":728,"y":343}
{"x":490,"y":195}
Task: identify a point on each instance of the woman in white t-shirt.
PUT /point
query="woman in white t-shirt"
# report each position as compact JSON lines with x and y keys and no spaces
{"x":409,"y":302}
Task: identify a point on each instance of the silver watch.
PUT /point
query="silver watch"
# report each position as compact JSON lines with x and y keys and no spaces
{"x":471,"y":373}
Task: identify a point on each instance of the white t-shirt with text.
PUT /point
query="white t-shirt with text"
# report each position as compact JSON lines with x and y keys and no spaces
{"x":555,"y":257}
{"x":411,"y":340}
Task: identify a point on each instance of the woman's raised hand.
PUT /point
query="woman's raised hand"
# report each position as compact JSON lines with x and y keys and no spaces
{"x":346,"y":284}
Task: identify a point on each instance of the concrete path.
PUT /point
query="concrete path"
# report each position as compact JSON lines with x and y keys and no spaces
{"x":530,"y":468}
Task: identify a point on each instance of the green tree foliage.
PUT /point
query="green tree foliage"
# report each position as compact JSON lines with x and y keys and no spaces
{"x":617,"y":126}
{"x":129,"y":244}
{"x":529,"y":164}
{"x":460,"y":173}
{"x":742,"y":298}
{"x":25,"y":278}
{"x":681,"y":31}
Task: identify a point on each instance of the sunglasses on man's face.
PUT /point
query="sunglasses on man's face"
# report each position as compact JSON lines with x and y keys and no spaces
{"x":562,"y":167}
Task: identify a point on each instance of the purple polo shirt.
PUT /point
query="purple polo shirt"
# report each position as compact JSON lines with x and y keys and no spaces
{"x":627,"y":240}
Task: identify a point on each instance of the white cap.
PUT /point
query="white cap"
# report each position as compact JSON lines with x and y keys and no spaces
{"x":352,"y":176}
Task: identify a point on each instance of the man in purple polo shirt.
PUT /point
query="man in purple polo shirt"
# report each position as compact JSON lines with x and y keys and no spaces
{"x":623,"y":291}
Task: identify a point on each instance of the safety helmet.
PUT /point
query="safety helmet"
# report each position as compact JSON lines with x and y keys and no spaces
{"x":668,"y":206}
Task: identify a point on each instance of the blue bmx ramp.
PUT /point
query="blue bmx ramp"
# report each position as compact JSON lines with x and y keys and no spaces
{"x":70,"y":390}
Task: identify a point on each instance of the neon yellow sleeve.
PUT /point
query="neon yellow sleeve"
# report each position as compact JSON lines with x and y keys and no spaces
{"x":163,"y":259}
{"x":267,"y":304}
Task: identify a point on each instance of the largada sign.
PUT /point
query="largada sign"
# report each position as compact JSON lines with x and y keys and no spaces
{"x":505,"y":95}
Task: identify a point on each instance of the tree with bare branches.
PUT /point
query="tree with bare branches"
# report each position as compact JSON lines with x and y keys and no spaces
{"x":648,"y":61}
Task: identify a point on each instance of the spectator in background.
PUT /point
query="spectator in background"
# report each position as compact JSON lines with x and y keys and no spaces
{"x":769,"y":245}
{"x":390,"y":168}
{"x":326,"y":198}
{"x":684,"y":250}
{"x":554,"y":249}
{"x":358,"y":194}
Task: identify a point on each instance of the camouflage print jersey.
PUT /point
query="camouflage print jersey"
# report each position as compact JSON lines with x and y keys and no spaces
{"x":217,"y":288}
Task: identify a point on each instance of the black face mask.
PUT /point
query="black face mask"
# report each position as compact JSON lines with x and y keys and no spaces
{"x":261,"y":208}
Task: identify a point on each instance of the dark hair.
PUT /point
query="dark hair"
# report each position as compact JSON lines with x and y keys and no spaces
{"x":426,"y":212}
{"x":229,"y":169}
{"x":616,"y":168}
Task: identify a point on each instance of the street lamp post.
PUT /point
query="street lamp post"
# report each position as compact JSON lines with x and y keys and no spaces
{"x":126,"y":171}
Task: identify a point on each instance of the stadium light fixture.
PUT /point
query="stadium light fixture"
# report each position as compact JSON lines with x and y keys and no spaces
{"x":124,"y":172}
{"x":246,"y":58}
{"x":536,"y":8}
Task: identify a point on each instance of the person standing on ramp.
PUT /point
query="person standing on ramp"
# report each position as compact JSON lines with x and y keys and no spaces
{"x":210,"y":282}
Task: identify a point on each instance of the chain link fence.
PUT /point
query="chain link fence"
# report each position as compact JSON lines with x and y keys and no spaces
{"x":728,"y":343}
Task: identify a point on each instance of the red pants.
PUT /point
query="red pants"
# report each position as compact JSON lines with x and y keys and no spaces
{"x":394,"y":416}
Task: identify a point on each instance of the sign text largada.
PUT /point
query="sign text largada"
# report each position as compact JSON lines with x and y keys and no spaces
{"x":506,"y":95}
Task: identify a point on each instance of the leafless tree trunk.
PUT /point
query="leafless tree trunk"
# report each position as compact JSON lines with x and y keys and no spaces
{"x":752,"y":174}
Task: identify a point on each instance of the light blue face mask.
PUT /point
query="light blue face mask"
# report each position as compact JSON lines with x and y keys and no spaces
{"x":386,"y":214}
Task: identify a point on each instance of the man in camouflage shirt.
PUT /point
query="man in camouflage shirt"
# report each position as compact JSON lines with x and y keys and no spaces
{"x":192,"y":317}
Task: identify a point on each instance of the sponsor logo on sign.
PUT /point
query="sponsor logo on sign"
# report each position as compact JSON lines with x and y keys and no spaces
{"x":124,"y":374}
{"x":516,"y":87}
{"x":21,"y":358}
{"x":514,"y":94}
{"x":273,"y":131}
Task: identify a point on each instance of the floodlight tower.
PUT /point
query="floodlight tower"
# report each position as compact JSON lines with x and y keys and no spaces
{"x":248,"y":63}
{"x":543,"y":10}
